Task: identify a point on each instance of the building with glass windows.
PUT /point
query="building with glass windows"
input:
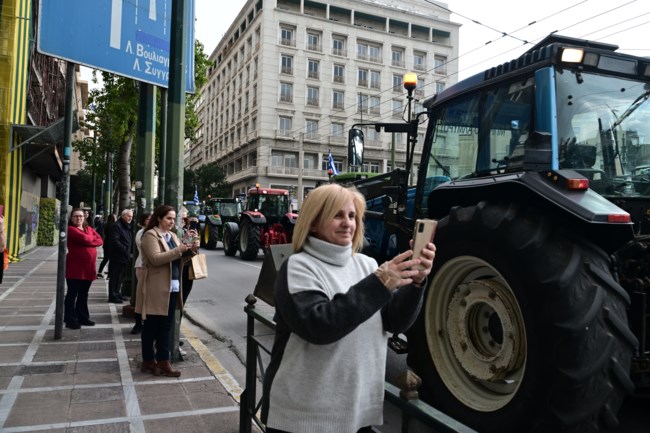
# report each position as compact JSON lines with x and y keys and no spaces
{"x":291,"y":77}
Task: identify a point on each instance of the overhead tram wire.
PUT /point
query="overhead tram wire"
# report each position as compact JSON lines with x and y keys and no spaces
{"x":320,"y":127}
{"x":525,"y":42}
{"x":624,"y":30}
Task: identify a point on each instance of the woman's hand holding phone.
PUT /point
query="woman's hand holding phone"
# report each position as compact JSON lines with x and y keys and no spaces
{"x":422,"y":235}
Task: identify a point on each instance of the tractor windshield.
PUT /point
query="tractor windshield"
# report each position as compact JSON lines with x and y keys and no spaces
{"x":228,"y":209}
{"x":604,"y":131}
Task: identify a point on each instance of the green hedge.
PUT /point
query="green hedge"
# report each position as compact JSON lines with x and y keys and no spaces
{"x":48,"y":228}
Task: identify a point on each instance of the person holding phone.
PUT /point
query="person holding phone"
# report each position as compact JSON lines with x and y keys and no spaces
{"x":190,"y":237}
{"x":334,"y":309}
{"x":159,"y":292}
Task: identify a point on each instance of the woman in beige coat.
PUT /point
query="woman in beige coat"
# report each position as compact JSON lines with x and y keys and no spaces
{"x":159,"y":289}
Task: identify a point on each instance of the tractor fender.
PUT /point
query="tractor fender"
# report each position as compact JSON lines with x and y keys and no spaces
{"x":584,"y":211}
{"x":291,"y":217}
{"x":255,"y":217}
{"x":214,"y":220}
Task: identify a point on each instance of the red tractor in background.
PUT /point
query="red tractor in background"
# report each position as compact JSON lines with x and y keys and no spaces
{"x":267,"y":219}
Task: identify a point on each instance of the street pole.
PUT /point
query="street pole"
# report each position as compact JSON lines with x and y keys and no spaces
{"x":301,"y":165}
{"x":176,"y":131}
{"x":109,"y":183}
{"x":65,"y":199}
{"x":410,"y":83}
{"x":93,"y":206}
{"x":144,"y":162}
{"x":162,"y":151}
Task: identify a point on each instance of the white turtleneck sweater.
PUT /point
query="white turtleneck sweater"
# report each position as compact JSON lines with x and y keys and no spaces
{"x":328,"y":362}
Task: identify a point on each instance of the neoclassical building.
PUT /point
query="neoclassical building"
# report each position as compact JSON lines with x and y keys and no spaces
{"x":291,"y":77}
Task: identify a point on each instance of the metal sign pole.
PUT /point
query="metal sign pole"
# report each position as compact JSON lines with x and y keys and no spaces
{"x":65,"y":198}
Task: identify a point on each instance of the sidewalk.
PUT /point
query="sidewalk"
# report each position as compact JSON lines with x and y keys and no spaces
{"x":90,"y":381}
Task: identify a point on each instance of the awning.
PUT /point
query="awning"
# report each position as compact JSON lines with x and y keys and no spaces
{"x":41,"y":153}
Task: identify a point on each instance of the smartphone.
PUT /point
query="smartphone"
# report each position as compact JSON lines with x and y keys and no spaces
{"x":194,"y":225}
{"x":422,"y":235}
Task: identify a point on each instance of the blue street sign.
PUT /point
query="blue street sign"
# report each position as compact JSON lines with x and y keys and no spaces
{"x":126,"y":37}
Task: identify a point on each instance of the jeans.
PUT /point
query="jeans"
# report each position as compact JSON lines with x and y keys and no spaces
{"x":76,"y":301}
{"x":155,"y":333}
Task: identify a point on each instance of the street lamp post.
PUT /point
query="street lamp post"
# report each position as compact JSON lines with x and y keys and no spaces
{"x":410,"y":83}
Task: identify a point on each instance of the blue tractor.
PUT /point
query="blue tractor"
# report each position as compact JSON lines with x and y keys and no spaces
{"x":537,"y":310}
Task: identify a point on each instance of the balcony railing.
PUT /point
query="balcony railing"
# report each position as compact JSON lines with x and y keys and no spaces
{"x":312,"y":102}
{"x":284,"y":134}
{"x":312,"y":74}
{"x":363,"y":83}
{"x":312,"y":136}
{"x":339,"y":52}
{"x":398,"y":63}
{"x":337,"y":139}
{"x":419,"y":67}
{"x":286,"y":98}
{"x":287,"y":70}
{"x":288,"y":42}
{"x":244,"y":174}
{"x":315,"y":47}
{"x":290,"y":171}
{"x":338,"y":105}
{"x":339,"y":79}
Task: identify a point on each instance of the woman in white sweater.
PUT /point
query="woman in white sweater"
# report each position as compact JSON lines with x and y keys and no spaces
{"x":334,"y":307}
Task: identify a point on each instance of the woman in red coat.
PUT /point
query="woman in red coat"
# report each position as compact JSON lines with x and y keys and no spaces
{"x":80,"y":264}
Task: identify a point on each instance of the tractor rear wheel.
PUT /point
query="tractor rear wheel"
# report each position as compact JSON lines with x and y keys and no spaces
{"x":523,"y":327}
{"x":230,"y":231}
{"x":210,"y":235}
{"x":249,"y":240}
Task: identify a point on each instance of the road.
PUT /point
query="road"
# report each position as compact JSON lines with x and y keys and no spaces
{"x":216,"y":306}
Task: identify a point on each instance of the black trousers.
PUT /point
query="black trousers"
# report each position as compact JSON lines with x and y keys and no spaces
{"x":116,"y":273}
{"x":76,"y":301}
{"x":187,"y":283}
{"x":155,"y":334}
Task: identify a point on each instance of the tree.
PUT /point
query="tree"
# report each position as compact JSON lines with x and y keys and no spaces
{"x":201,"y":66}
{"x":208,"y":179}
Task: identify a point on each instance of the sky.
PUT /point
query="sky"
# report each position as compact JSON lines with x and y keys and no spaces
{"x":493,"y":32}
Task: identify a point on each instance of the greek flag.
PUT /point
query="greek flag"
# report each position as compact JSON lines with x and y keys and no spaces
{"x":196,"y":195}
{"x":331,"y":168}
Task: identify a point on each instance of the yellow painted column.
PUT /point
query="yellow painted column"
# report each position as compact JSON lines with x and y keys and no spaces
{"x":15,"y":31}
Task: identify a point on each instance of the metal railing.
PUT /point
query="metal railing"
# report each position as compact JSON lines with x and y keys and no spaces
{"x":249,"y":411}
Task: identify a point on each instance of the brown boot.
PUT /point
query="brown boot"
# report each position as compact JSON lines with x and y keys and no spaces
{"x":148,"y":366}
{"x":165,"y":368}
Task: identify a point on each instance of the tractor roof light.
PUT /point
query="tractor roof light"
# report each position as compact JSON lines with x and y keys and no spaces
{"x":572,"y":55}
{"x":410,"y":81}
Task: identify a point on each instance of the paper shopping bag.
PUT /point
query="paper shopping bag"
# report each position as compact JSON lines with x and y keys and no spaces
{"x":198,"y":267}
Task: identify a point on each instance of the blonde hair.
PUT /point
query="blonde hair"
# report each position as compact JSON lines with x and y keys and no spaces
{"x":320,"y":207}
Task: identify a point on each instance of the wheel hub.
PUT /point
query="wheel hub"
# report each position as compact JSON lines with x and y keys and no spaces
{"x":482,"y":333}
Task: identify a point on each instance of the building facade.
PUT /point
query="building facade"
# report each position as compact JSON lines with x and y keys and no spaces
{"x":291,"y":77}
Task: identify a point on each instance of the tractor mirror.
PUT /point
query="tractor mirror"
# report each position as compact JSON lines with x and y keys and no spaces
{"x":355,"y":147}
